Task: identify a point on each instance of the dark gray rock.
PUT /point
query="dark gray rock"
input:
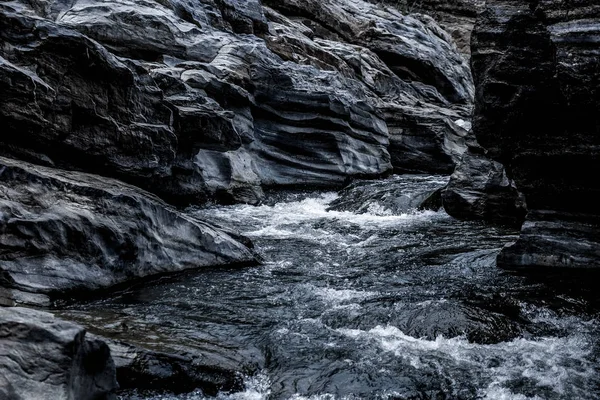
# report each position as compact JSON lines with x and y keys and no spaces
{"x":537,"y":102}
{"x":457,"y":17}
{"x":414,"y":47}
{"x":427,"y":139}
{"x":144,"y":369}
{"x":63,"y":231}
{"x":211,"y":100}
{"x":426,"y":125}
{"x":480,"y":190}
{"x":450,"y":318}
{"x":555,"y":239}
{"x":44,"y":357}
{"x":391,"y":196}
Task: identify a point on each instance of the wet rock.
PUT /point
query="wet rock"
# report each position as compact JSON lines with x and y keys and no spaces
{"x":555,"y":239}
{"x":538,"y":92}
{"x":451,"y":319}
{"x":392,"y":196}
{"x":44,"y":357}
{"x":64,"y":231}
{"x":146,"y":370}
{"x":480,"y":190}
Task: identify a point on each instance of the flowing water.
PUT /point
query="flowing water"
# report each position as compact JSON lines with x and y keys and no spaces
{"x":376,"y":305}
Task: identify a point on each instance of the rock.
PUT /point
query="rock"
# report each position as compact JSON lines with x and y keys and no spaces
{"x":537,"y":102}
{"x":44,"y":357}
{"x":414,"y":48}
{"x":555,"y":239}
{"x":457,"y":17}
{"x":449,"y":318}
{"x":64,"y":231}
{"x":391,"y":196}
{"x":480,"y":190}
{"x":424,"y":136}
{"x":144,"y":369}
{"x":426,"y":140}
{"x":215,"y":100}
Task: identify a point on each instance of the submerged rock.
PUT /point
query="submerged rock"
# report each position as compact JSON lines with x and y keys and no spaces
{"x":63,"y":231}
{"x":147,"y":370}
{"x":44,"y":357}
{"x":392,"y":196}
{"x":480,"y":190}
{"x":537,"y":102}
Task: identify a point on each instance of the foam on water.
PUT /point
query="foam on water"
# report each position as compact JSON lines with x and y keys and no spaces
{"x":283,"y":220}
{"x":325,"y":307}
{"x":555,"y":364}
{"x":255,"y":388}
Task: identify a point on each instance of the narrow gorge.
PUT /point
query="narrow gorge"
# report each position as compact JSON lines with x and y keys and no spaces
{"x":299,"y":199}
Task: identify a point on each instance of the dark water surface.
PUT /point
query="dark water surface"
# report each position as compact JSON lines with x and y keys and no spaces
{"x":367,"y":306}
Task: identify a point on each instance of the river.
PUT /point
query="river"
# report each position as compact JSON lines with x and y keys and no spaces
{"x":369,"y":305}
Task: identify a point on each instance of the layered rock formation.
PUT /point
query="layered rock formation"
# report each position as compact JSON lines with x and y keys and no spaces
{"x":43,"y":357}
{"x":538,"y":94}
{"x":392,"y":196}
{"x":457,"y":17}
{"x":214,"y":100}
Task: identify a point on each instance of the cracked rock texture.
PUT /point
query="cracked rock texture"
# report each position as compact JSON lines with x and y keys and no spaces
{"x":537,"y":76}
{"x":43,"y":357}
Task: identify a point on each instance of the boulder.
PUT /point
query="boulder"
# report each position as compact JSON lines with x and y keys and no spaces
{"x":143,"y":369}
{"x":393,"y":196}
{"x":537,"y":100}
{"x":44,"y":357}
{"x":480,"y":190}
{"x":63,"y":232}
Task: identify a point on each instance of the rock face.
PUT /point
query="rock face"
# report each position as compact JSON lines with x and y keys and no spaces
{"x":538,"y":94}
{"x":480,"y":190}
{"x":46,"y":358}
{"x":64,"y":231}
{"x":457,"y":17}
{"x":216,"y":99}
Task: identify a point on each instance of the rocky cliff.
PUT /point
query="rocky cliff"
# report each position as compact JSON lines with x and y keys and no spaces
{"x":457,"y":17}
{"x":214,"y":100}
{"x":537,"y":75}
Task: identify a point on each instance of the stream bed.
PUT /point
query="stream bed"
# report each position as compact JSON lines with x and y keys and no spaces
{"x":369,"y":304}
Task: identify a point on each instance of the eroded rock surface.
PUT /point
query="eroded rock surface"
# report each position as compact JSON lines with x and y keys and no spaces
{"x":457,"y":17}
{"x":392,"y":196}
{"x":217,"y":99}
{"x":64,"y":231}
{"x":43,"y":357}
{"x":538,"y":94}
